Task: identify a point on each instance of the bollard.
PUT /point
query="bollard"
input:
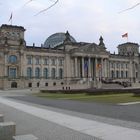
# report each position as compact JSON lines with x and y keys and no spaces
{"x":1,"y":118}
{"x":7,"y":130}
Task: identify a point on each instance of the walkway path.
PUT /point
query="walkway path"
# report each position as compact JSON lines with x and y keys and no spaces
{"x":88,"y":127}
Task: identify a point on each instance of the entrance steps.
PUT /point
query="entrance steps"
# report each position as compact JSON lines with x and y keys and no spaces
{"x":111,"y":86}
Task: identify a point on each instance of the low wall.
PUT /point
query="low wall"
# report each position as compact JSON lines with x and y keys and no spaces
{"x":7,"y":130}
{"x":1,"y":118}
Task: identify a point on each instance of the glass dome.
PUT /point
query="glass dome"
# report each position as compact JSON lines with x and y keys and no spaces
{"x":56,"y":39}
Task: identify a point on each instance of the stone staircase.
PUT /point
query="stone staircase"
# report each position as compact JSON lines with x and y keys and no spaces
{"x":111,"y":86}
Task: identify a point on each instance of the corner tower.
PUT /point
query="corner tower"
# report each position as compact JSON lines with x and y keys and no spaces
{"x":12,"y":35}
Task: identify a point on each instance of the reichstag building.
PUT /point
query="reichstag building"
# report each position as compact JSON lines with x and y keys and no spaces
{"x":63,"y":63}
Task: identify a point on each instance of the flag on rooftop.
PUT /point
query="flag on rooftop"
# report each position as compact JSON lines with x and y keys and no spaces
{"x":125,"y":35}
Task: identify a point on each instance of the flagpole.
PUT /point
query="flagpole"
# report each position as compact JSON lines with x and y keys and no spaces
{"x":11,"y":18}
{"x":127,"y":38}
{"x":11,"y":21}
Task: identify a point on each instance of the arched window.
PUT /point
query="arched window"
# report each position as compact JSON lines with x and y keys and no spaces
{"x":126,"y":74}
{"x":13,"y":85}
{"x":29,"y":72}
{"x":117,"y":74}
{"x":112,"y":74}
{"x":46,"y":73}
{"x":53,"y":73}
{"x":37,"y":72}
{"x":61,"y":73}
{"x":29,"y":84}
{"x":122,"y":74}
{"x":12,"y":59}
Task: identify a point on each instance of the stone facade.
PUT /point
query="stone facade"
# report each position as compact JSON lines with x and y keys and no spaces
{"x":69,"y":65}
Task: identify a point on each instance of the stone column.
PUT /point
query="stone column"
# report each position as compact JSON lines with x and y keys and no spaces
{"x":131,"y":71}
{"x":57,"y":68}
{"x":49,"y":67}
{"x":83,"y":75}
{"x":33,"y":66}
{"x":41,"y":62}
{"x":22,"y":65}
{"x":134,"y":72}
{"x":5,"y":66}
{"x":102,"y":68}
{"x":105,"y":68}
{"x":139,"y":72}
{"x":114,"y":70}
{"x":89,"y":67}
{"x":76,"y":70}
{"x":95,"y":67}
{"x":109,"y":69}
{"x":119,"y":69}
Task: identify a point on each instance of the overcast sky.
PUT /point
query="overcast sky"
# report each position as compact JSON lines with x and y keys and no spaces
{"x":86,"y":20}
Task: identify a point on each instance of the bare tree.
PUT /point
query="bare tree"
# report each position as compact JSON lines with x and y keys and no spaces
{"x":130,"y":8}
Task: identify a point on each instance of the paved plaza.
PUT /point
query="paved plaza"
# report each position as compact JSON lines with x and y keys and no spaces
{"x":54,"y":122}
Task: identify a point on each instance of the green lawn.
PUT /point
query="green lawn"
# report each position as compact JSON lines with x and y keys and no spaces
{"x":113,"y":98}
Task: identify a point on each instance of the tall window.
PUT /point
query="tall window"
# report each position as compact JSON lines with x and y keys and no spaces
{"x":46,"y":61}
{"x":126,"y":74}
{"x":112,"y":74}
{"x":29,"y":60}
{"x":117,"y":65}
{"x":112,"y":65}
{"x":12,"y":72}
{"x":117,"y":74}
{"x":60,"y":62}
{"x":53,"y":62}
{"x":61,"y":73}
{"x":45,"y":73}
{"x":37,"y":61}
{"x":37,"y":72}
{"x":53,"y":73}
{"x":29,"y":72}
{"x":122,"y":74}
{"x":12,"y":59}
{"x":121,"y":65}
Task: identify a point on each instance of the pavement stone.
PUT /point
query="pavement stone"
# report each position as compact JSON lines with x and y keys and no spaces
{"x":25,"y":137}
{"x":92,"y":128}
{"x":42,"y":129}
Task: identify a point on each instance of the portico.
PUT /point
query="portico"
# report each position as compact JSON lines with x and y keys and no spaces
{"x":90,"y":67}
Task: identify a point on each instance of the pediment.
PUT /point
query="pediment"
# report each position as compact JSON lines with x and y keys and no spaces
{"x":89,"y":48}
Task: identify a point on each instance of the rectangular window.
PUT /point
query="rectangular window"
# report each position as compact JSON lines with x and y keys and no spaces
{"x":12,"y":72}
{"x":37,"y":62}
{"x":122,"y":65}
{"x":112,"y":65}
{"x":61,"y":62}
{"x":53,"y":62}
{"x":118,"y":65}
{"x":126,"y":74}
{"x":46,"y":61}
{"x":29,"y":60}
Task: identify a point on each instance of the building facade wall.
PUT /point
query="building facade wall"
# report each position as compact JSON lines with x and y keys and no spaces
{"x":71,"y":65}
